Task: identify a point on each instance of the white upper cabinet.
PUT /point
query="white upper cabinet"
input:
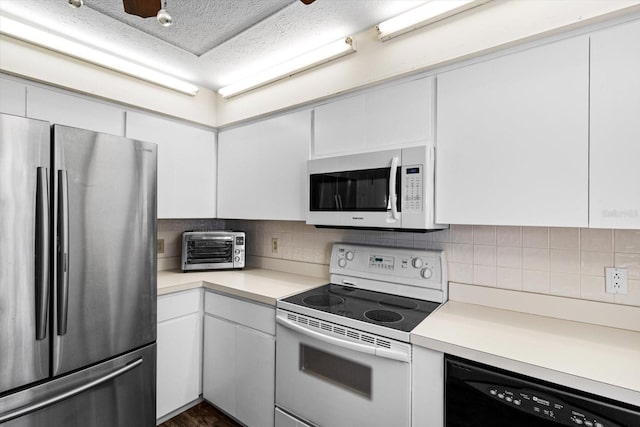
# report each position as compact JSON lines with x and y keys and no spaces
{"x":12,"y":97}
{"x":387,"y":117}
{"x":512,"y":139}
{"x":262,"y":169}
{"x":186,"y":165}
{"x":614,"y":200}
{"x":70,"y":110}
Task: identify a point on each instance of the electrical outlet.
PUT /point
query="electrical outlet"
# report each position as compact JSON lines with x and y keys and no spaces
{"x":160,"y":246}
{"x":616,"y":280}
{"x":274,"y":245}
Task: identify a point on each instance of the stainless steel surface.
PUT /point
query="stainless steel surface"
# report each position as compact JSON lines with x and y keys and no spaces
{"x":43,"y":242}
{"x":63,"y":252}
{"x":119,"y":392}
{"x":24,"y":147}
{"x":112,"y":241}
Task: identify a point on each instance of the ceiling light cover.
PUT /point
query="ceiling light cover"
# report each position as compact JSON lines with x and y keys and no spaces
{"x":303,"y":62}
{"x":69,"y":47}
{"x":426,"y":14}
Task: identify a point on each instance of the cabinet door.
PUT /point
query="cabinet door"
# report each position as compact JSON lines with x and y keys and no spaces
{"x":219,"y":369}
{"x":75,"y":111}
{"x":255,"y":352}
{"x":387,"y":117}
{"x":186,"y":165}
{"x":12,"y":97}
{"x":615,"y":129}
{"x":179,"y":363}
{"x":512,"y":139}
{"x":262,"y":169}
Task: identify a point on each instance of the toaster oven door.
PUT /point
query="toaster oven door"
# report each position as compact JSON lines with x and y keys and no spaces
{"x":207,"y":253}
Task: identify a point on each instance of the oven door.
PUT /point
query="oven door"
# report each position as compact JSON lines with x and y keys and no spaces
{"x":328,"y":380}
{"x":207,"y":252}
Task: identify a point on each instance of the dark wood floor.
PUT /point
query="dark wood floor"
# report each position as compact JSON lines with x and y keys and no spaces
{"x":201,"y":415}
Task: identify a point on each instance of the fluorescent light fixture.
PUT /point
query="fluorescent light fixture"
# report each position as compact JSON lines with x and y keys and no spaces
{"x":288,"y":68}
{"x":426,"y":14}
{"x":69,"y":47}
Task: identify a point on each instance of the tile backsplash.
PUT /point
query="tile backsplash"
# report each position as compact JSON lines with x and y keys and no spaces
{"x":567,"y":262}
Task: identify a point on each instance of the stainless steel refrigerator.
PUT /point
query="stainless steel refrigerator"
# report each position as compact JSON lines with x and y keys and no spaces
{"x":77,"y":277}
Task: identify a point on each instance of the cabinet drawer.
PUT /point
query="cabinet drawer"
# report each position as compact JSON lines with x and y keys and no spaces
{"x":180,"y":304}
{"x":252,"y":315}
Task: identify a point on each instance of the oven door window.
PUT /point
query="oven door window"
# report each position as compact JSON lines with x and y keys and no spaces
{"x":210,"y":251}
{"x":353,"y":191}
{"x":337,"y":370}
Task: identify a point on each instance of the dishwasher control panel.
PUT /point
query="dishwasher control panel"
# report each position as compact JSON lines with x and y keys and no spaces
{"x":542,"y":405}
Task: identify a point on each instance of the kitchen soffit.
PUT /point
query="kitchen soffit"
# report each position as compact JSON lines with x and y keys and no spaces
{"x":212,"y":42}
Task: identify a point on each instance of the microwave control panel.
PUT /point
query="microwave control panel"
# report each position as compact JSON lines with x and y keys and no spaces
{"x":412,"y":197}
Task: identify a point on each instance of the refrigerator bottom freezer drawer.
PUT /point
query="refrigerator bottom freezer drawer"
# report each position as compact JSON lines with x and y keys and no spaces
{"x":119,"y":392}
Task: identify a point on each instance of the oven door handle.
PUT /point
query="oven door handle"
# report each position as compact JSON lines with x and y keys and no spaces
{"x":362,"y":348}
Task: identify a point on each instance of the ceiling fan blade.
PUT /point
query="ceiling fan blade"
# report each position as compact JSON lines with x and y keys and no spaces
{"x":142,"y":8}
{"x":307,"y":2}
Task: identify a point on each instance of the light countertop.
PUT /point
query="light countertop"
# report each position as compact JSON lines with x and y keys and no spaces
{"x":600,"y":359}
{"x":257,"y":284}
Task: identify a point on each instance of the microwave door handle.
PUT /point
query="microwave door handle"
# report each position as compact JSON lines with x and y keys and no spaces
{"x":393,"y":196}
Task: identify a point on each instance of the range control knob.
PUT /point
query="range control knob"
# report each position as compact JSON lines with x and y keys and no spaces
{"x":417,"y":262}
{"x":426,"y":273}
{"x":349,"y":255}
{"x":342,"y":262}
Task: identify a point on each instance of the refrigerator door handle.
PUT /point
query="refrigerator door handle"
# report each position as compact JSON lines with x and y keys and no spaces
{"x":42,"y":252}
{"x":53,"y":400}
{"x":63,"y":252}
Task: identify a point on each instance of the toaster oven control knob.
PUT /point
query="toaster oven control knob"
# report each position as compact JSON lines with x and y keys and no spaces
{"x":237,"y":259}
{"x":417,"y":262}
{"x":342,"y":262}
{"x":426,"y":273}
{"x":237,"y":251}
{"x":349,"y":255}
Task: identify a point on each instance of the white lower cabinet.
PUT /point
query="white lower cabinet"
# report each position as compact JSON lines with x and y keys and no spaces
{"x":179,"y":362}
{"x":239,"y":360}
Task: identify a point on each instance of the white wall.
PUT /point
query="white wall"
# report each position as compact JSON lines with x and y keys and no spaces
{"x":497,"y":24}
{"x":35,"y":63}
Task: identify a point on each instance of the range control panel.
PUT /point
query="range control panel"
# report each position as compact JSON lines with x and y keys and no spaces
{"x":541,"y":405}
{"x":414,"y":267}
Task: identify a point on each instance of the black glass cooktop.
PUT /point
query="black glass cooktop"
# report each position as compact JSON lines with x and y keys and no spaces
{"x":378,"y":308}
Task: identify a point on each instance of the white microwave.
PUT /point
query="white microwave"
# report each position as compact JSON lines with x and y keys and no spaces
{"x":392,"y":189}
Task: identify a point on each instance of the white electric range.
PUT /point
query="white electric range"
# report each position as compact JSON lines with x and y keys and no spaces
{"x":343,"y":356}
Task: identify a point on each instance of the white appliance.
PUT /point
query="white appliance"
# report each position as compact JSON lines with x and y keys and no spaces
{"x":392,"y":189}
{"x":343,"y":356}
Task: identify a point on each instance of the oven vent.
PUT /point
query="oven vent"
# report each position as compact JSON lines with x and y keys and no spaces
{"x":368,"y":339}
{"x":349,"y":333}
{"x":383,"y":343}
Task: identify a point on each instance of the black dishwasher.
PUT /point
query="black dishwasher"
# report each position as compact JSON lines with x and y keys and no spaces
{"x":478,"y":395}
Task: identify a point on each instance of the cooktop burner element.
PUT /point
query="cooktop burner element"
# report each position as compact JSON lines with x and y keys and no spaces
{"x":323,"y":300}
{"x":383,"y":291}
{"x":384,"y":316}
{"x":399,"y":313}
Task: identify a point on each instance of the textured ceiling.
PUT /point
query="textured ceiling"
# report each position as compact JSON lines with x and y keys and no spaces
{"x":212,"y":42}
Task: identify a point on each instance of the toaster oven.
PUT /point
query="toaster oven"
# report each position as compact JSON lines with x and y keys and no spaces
{"x":212,"y":250}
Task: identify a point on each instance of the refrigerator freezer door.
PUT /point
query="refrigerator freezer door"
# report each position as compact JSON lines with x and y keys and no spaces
{"x":105,"y":262}
{"x":24,"y":261}
{"x":120,"y":392}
